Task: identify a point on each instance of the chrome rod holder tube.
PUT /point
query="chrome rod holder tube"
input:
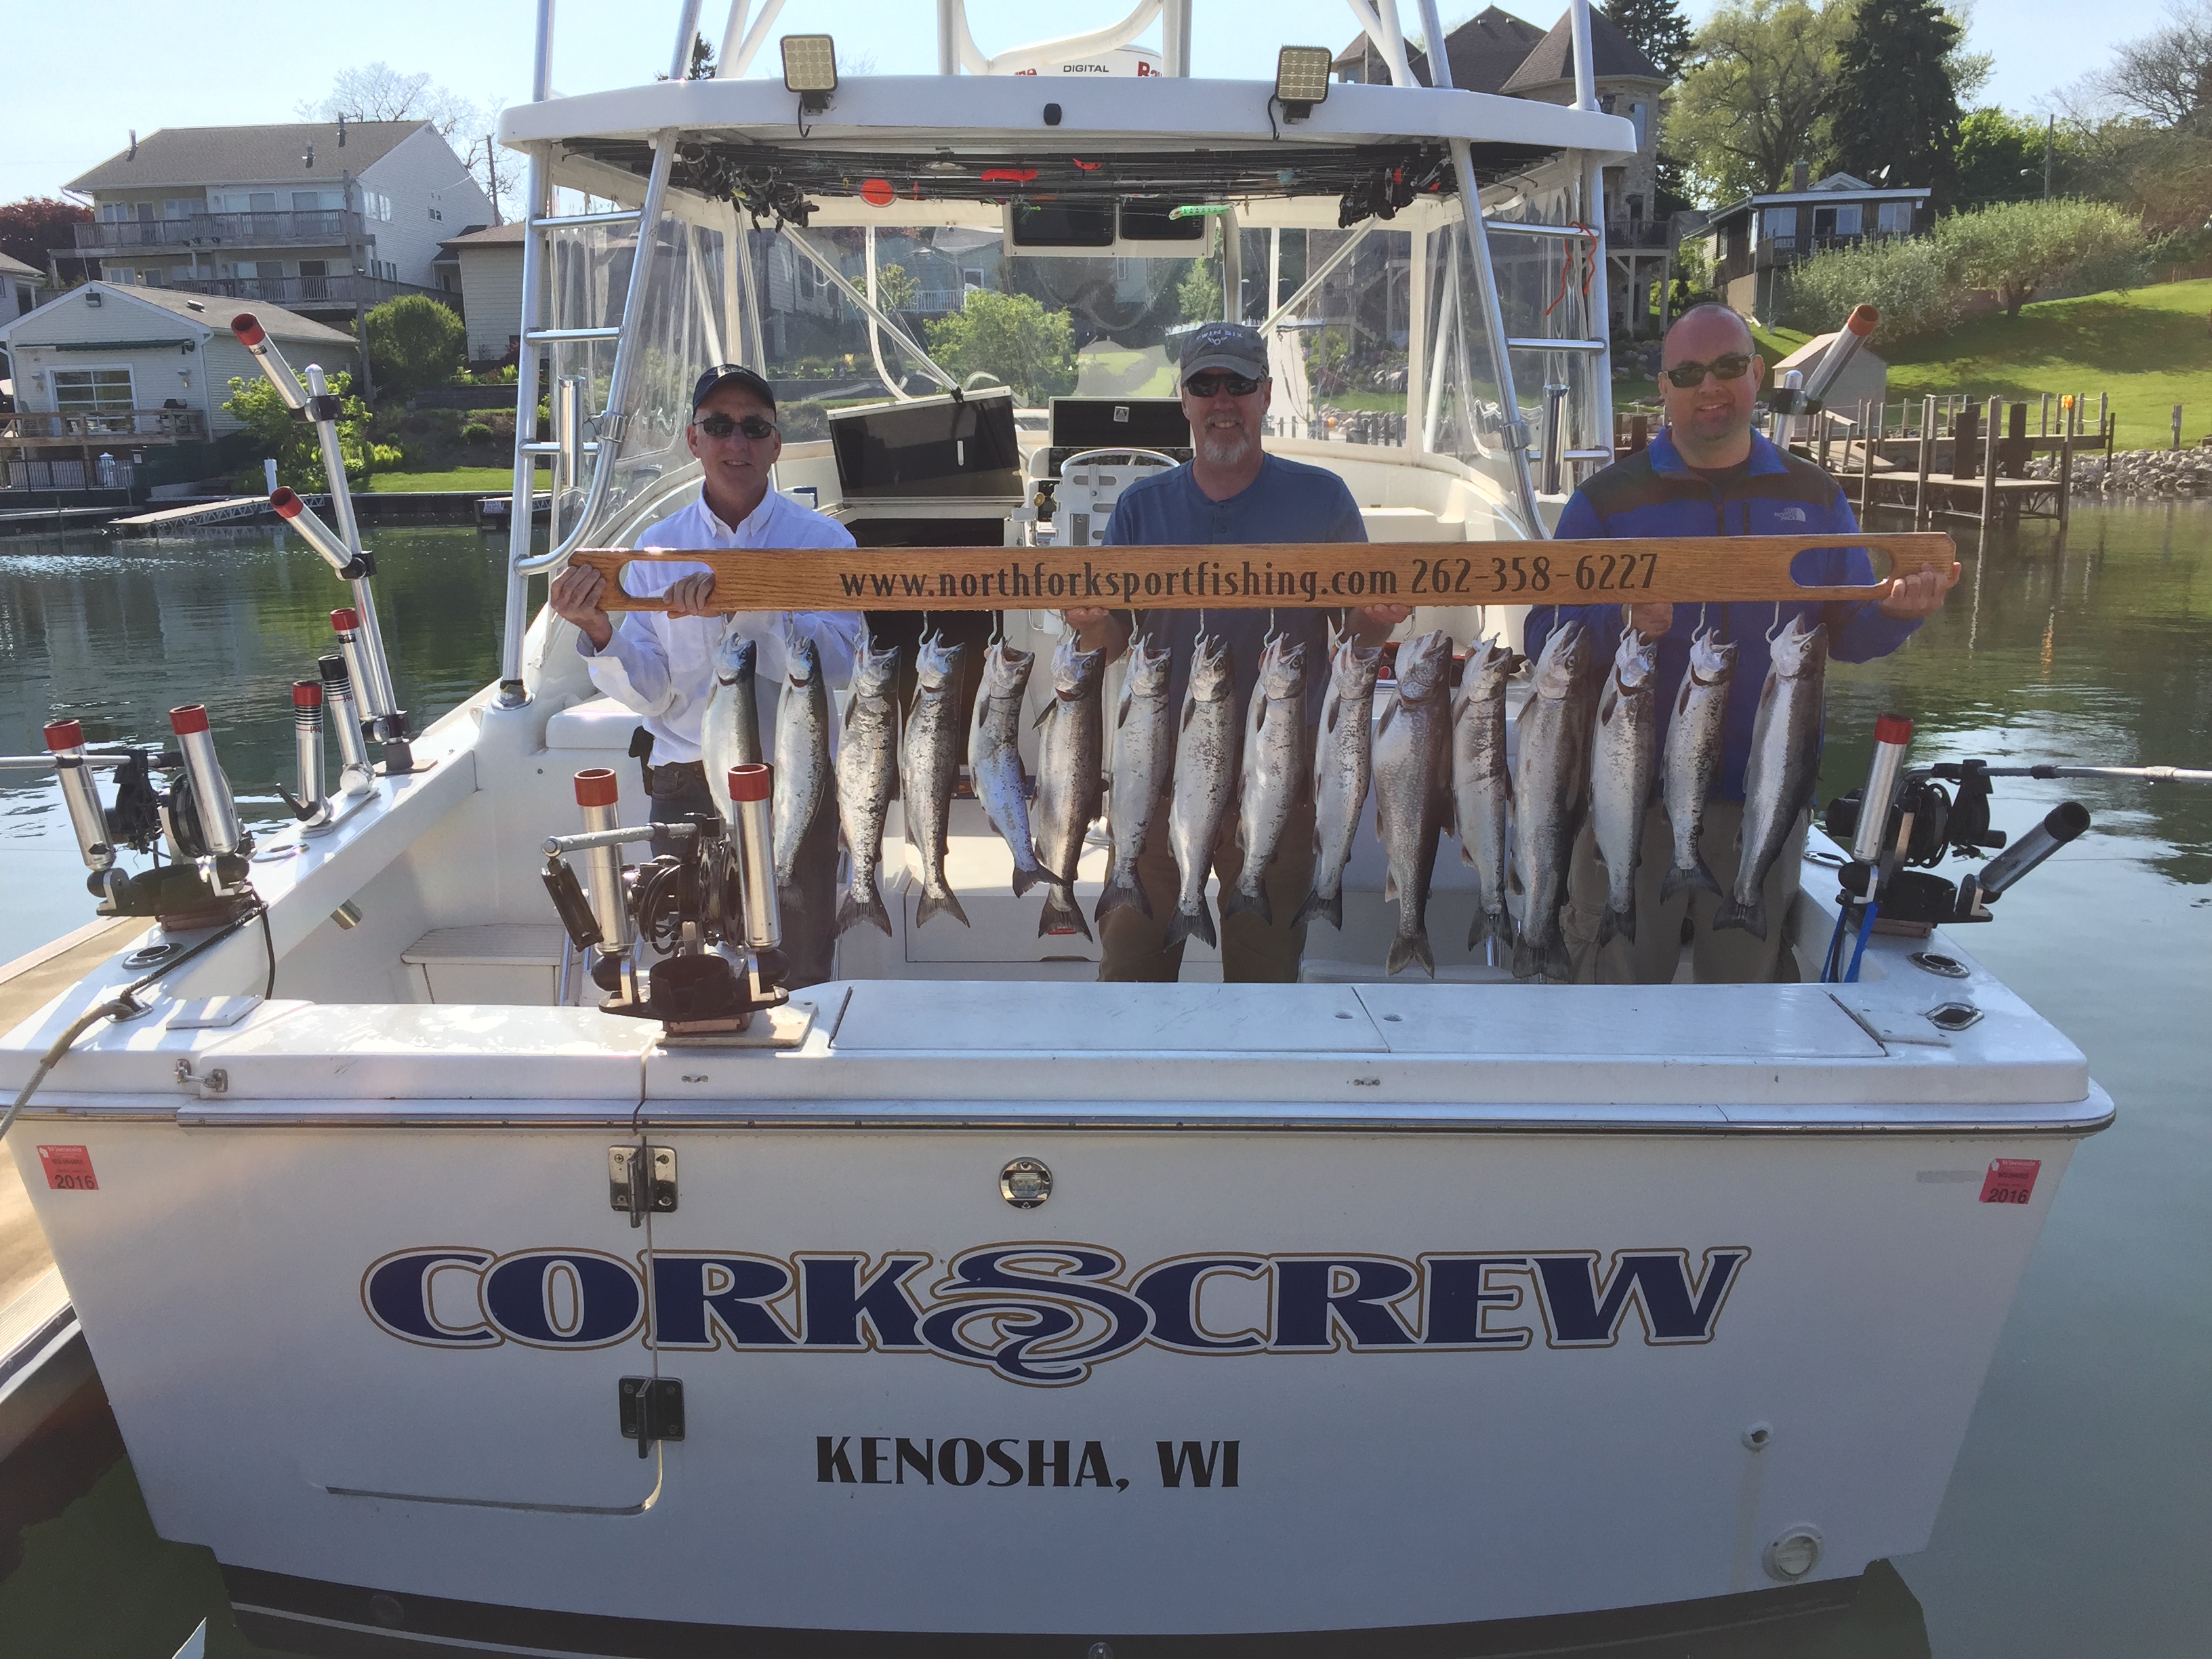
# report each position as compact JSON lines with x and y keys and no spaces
{"x":751,"y":789}
{"x":80,"y":795}
{"x":599,"y":794}
{"x":372,"y":672}
{"x":1892,"y":735}
{"x":311,"y":804}
{"x":212,"y":801}
{"x":356,"y":775}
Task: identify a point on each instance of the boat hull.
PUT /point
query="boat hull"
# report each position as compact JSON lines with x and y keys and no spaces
{"x":1223,"y":1382}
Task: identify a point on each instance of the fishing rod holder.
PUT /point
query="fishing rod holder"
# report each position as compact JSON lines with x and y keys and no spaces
{"x":340,"y":544}
{"x":707,"y":908}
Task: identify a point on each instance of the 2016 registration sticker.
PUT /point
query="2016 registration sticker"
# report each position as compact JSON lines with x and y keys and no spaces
{"x":2010,"y":1179}
{"x":69,"y":1169}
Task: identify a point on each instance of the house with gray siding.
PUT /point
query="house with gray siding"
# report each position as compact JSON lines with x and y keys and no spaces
{"x":324,"y":218}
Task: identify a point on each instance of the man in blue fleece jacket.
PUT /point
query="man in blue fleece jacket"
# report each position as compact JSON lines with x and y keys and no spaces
{"x":1708,"y":473}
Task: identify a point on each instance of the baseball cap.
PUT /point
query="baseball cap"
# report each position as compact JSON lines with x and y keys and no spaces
{"x":1231,"y":346}
{"x":731,"y":374}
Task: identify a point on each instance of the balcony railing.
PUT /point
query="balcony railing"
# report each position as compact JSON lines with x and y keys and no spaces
{"x":310,"y":292}
{"x":74,"y":428}
{"x":331,"y":227}
{"x":1639,"y":233}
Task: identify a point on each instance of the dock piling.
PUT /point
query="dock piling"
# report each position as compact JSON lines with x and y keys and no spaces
{"x":1927,"y":456}
{"x":1989,"y":464}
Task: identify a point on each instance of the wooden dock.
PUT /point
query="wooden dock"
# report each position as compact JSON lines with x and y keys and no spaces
{"x":1976,"y":469}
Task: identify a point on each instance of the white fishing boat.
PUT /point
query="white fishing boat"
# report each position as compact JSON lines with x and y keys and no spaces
{"x":963,"y":1300}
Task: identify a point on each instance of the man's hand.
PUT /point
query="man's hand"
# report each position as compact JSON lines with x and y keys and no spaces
{"x":1908,"y":599}
{"x":695,"y":597}
{"x":575,"y":598}
{"x":1370,"y":624}
{"x":1097,"y":629}
{"x":1651,"y":621}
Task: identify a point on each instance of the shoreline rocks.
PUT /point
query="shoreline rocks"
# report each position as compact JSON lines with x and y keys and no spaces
{"x":2136,"y":473}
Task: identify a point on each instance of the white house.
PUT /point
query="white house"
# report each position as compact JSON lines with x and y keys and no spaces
{"x":19,"y":289}
{"x":116,"y":370}
{"x":482,"y":268}
{"x":321,"y":217}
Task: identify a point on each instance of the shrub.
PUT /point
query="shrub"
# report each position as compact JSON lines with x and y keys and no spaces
{"x":414,"y":342}
{"x":279,"y":434}
{"x":1011,"y":337}
{"x":803,"y":422}
{"x":1908,"y":281}
{"x":476,"y":432}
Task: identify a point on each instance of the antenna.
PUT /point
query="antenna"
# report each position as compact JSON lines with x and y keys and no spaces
{"x":134,"y":146}
{"x":309,"y":158}
{"x":341,"y":129}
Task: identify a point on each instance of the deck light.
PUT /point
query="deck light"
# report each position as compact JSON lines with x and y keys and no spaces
{"x":1302,"y":79}
{"x":1794,"y":1554}
{"x":809,"y":69}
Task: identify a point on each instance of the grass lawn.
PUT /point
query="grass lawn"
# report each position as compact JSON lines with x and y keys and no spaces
{"x":490,"y":479}
{"x":2151,"y":348}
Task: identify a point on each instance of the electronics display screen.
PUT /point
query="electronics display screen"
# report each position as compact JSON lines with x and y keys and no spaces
{"x":1107,"y":423}
{"x":931,"y":446}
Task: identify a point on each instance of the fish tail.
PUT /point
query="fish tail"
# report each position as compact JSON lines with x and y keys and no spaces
{"x":1527,"y":961}
{"x":1324,"y":907}
{"x":1493,"y":924}
{"x":863,"y":903}
{"x":1559,"y":960}
{"x":1026,"y":876}
{"x":1185,"y":923}
{"x":1676,"y":879}
{"x":944,"y":902}
{"x":1239,"y":899}
{"x":1733,"y":913}
{"x":1406,"y":951}
{"x":1618,"y":922}
{"x":1122,"y":891}
{"x":1061,"y":914}
{"x":1703,"y":877}
{"x":788,"y":899}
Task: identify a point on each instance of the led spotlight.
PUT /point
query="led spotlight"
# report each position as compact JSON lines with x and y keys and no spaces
{"x":809,"y":69}
{"x":1302,"y":79}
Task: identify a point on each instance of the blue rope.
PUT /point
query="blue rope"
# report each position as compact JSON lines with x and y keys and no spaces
{"x":1865,"y":928}
{"x":1828,"y":956}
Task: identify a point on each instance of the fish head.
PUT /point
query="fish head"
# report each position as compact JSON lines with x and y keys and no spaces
{"x":937,"y":663}
{"x":1489,"y":665}
{"x":1425,"y":666}
{"x":1353,"y":669}
{"x":1006,"y":671}
{"x":734,"y":656}
{"x":1561,"y":664}
{"x":1799,"y":649}
{"x":1075,"y":671}
{"x":1634,"y":660}
{"x":1712,"y":659}
{"x":876,"y":672}
{"x":1213,"y":677}
{"x":802,"y":657}
{"x":1147,"y":673}
{"x":1283,"y":672}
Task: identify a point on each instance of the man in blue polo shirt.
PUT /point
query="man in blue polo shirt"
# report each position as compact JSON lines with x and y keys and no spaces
{"x":1229,"y":491}
{"x":1708,"y":473}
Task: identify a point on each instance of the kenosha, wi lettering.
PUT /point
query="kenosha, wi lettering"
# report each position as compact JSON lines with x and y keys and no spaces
{"x":877,"y":1460}
{"x":1044,"y":1315}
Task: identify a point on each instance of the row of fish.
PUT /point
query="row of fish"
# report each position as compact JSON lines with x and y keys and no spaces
{"x":1435,"y":761}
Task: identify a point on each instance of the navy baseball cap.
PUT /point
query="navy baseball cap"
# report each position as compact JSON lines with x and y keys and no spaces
{"x":735,"y":375}
{"x":1229,"y":346}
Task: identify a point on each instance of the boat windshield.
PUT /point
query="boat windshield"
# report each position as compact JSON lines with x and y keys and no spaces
{"x":1374,"y":332}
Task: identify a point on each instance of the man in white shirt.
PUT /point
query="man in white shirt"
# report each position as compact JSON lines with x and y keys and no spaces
{"x":662,"y":664}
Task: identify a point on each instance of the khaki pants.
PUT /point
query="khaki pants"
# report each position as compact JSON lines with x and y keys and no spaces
{"x":1252,"y":951}
{"x":1728,"y":957}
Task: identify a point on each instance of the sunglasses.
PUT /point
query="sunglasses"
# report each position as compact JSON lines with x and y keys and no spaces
{"x":1731,"y":367}
{"x":1213,"y":385}
{"x":722,"y":426}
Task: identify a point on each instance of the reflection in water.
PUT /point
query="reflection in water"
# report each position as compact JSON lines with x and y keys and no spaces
{"x":2073,"y":1520}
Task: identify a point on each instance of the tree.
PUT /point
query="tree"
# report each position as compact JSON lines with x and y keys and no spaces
{"x":1657,"y":29}
{"x":31,"y":228}
{"x":1198,"y":296}
{"x":2166,"y":76}
{"x":377,"y":92}
{"x":1011,"y":337}
{"x":281,"y":436}
{"x":414,"y":342}
{"x":703,"y":61}
{"x":1892,"y":107}
{"x":896,"y":288}
{"x":2020,"y":248}
{"x":1754,"y":94}
{"x":1999,"y":158}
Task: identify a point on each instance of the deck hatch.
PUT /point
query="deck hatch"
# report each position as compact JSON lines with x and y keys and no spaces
{"x":1669,"y":1023}
{"x":951,"y":1017}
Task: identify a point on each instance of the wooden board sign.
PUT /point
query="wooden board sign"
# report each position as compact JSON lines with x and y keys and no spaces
{"x":1328,"y":574}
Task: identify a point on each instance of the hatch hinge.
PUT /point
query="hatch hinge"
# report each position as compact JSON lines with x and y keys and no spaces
{"x":642,"y":1179}
{"x":652,"y":1410}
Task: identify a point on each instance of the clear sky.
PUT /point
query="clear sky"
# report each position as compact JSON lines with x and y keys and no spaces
{"x":79,"y":80}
